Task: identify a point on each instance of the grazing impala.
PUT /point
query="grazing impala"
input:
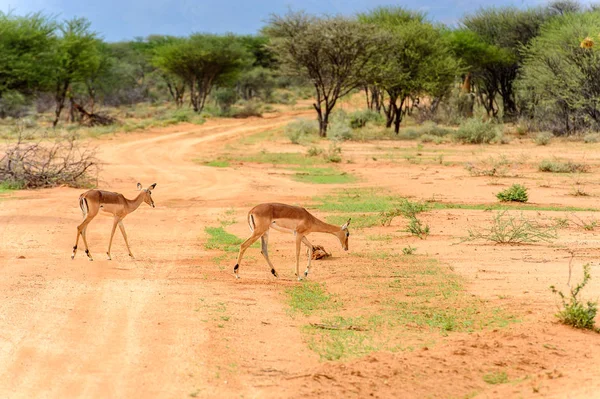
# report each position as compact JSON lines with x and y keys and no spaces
{"x":93,"y":201}
{"x":288,"y":219}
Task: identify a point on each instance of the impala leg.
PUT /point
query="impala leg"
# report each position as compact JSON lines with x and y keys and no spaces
{"x":122,"y":228}
{"x":112,"y":234}
{"x":87,"y":250}
{"x":255,"y":236}
{"x":264,"y":240}
{"x":298,"y":247}
{"x":310,"y":254}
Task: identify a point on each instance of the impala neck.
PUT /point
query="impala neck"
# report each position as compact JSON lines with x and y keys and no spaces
{"x":322,"y":227}
{"x":134,"y":204}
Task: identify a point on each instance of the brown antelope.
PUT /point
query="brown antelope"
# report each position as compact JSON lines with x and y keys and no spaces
{"x":287,"y":219}
{"x":115,"y":204}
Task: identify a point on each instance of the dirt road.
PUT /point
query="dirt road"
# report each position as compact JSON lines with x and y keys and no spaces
{"x":173,"y":323}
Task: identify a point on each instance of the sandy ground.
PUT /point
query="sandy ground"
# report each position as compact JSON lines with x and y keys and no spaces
{"x":155,"y":326}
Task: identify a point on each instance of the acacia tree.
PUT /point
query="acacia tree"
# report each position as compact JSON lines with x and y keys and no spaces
{"x":332,"y":53}
{"x":202,"y":61}
{"x":560,"y":74}
{"x":26,"y":54}
{"x":416,"y":61}
{"x":505,"y":30}
{"x":77,"y":58}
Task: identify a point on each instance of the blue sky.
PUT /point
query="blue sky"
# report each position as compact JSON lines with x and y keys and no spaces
{"x":125,"y":19}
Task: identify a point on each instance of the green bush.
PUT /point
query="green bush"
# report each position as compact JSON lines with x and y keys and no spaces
{"x":515,"y":193}
{"x":359,"y":119}
{"x":247,"y":109}
{"x":339,"y":130}
{"x":300,"y":129}
{"x":476,"y":131}
{"x":543,"y":138}
{"x":591,"y":138}
{"x":574,"y":312}
{"x":556,"y":166}
{"x":433,"y":129}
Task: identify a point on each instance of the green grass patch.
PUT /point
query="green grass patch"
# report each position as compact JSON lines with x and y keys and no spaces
{"x":507,"y":206}
{"x":309,"y":297}
{"x":322,"y":176}
{"x":218,"y":163}
{"x":419,"y":297}
{"x":219,"y":239}
{"x":7,"y":186}
{"x":358,"y":221}
{"x":357,"y":200}
{"x":281,"y":158}
{"x":496,"y":377}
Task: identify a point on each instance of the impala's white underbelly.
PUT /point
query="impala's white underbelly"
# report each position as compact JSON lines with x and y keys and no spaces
{"x":285,"y":225}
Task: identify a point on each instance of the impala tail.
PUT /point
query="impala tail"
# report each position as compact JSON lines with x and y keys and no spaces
{"x":84,"y":206}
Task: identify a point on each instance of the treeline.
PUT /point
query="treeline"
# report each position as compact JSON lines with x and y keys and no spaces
{"x":538,"y":65}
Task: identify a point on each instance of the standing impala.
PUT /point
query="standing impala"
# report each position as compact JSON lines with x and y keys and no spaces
{"x":93,"y":201}
{"x":288,"y":219}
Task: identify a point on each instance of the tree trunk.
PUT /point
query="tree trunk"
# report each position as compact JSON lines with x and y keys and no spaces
{"x":398,"y":115}
{"x":61,"y":94}
{"x":323,"y":118}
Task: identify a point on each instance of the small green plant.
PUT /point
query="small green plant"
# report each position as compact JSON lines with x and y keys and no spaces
{"x":556,"y":166}
{"x":574,"y":312}
{"x":543,"y":138}
{"x":586,"y":224}
{"x":515,"y":193}
{"x":509,"y":229}
{"x":334,"y":153}
{"x":476,"y":131}
{"x":496,"y":377}
{"x":314,"y":151}
{"x":409,"y":250}
{"x":416,"y":228}
{"x":406,"y":209}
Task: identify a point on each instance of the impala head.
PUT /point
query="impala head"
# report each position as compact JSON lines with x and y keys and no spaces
{"x":343,"y":235}
{"x":147,"y":193}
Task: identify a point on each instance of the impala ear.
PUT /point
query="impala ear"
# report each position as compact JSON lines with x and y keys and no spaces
{"x":345,"y":226}
{"x":139,"y":186}
{"x":152,"y":187}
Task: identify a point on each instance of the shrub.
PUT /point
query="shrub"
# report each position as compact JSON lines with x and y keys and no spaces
{"x":428,"y":138}
{"x":574,"y":312}
{"x":334,"y":153}
{"x":406,"y":209}
{"x":248,"y":109}
{"x":13,"y":104}
{"x":556,"y":166}
{"x":509,"y":229}
{"x":416,"y":228}
{"x":476,"y":131}
{"x":48,"y":163}
{"x":515,"y":193}
{"x":225,"y":98}
{"x":301,"y":128}
{"x":314,"y":151}
{"x":433,"y":129}
{"x":409,"y":250}
{"x":339,"y":130}
{"x":359,"y":119}
{"x":591,"y":138}
{"x":543,"y":138}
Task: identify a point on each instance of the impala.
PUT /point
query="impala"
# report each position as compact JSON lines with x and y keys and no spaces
{"x":115,"y":204}
{"x":288,"y":219}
